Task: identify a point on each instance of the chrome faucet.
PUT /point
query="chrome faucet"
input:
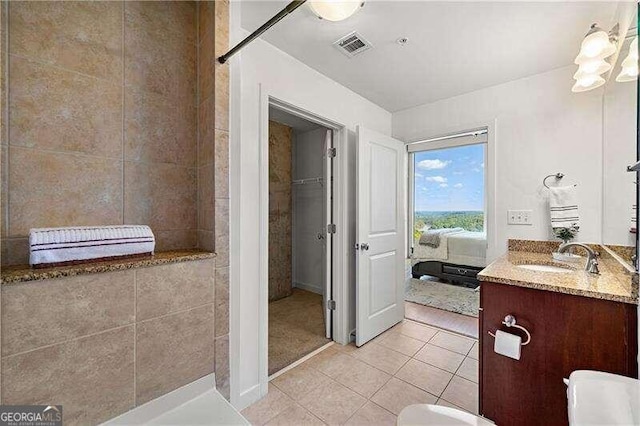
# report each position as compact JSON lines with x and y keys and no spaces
{"x":592,"y":259}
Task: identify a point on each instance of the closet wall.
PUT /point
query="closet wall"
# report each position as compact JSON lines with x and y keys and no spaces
{"x":280,"y":145}
{"x":308,"y":211}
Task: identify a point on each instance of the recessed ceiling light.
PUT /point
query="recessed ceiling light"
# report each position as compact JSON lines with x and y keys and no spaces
{"x":402,"y":41}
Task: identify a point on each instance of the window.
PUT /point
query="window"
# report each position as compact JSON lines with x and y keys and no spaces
{"x":449,"y":188}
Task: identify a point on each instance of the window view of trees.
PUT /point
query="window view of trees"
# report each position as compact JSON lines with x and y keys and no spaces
{"x":467,"y":220}
{"x":449,"y":188}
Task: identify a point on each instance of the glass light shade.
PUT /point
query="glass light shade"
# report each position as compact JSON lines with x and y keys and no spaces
{"x":334,"y":10}
{"x":594,"y":66}
{"x":595,"y":46}
{"x":630,"y":64}
{"x":587,"y":82}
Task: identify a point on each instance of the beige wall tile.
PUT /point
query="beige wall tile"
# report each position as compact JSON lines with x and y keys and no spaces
{"x":172,"y":351}
{"x":207,"y":56}
{"x":159,"y":129}
{"x":222,"y":97}
{"x":179,"y":18}
{"x":221,"y":161}
{"x":175,"y":239}
{"x":222,"y":250}
{"x":50,"y":189}
{"x":222,"y":217}
{"x":206,"y":200}
{"x":175,"y":287}
{"x":4,"y":189}
{"x":206,"y":136}
{"x":44,"y":313}
{"x":222,"y":301}
{"x":222,"y":365}
{"x":160,"y":48}
{"x":59,"y":110}
{"x":91,"y":377}
{"x":206,"y":19}
{"x":206,"y":240}
{"x":222,"y":27}
{"x":88,"y":35}
{"x":15,"y":251}
{"x":162,"y":196}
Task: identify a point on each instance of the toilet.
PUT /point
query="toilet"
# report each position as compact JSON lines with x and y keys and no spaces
{"x":427,"y":414}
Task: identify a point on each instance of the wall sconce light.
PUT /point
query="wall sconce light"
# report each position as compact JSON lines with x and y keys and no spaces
{"x":629,"y":70}
{"x":596,"y":46}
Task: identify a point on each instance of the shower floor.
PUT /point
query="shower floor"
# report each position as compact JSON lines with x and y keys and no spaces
{"x":296,"y":328}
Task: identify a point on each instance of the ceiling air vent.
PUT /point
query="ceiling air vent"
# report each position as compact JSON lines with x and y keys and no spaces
{"x":352,"y":44}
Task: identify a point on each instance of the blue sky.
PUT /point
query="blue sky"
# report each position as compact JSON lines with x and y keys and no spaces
{"x":450,"y":179}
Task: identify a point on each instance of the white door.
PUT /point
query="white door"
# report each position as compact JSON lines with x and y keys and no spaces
{"x":328,"y":219}
{"x":380,"y":246}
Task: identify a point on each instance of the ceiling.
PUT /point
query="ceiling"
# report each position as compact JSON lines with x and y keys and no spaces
{"x":453,"y":48}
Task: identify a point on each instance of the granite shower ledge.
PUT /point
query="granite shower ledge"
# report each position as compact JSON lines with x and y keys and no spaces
{"x":24,"y":273}
{"x":615,"y":282}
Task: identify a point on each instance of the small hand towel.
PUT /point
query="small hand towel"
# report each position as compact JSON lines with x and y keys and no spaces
{"x":59,"y":246}
{"x":563,"y":207}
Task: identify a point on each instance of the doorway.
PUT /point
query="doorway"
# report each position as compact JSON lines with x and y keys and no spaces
{"x":299,"y":238}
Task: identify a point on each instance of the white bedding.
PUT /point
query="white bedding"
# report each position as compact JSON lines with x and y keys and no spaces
{"x":461,"y":248}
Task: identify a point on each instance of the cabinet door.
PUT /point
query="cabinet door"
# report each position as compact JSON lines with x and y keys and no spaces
{"x":512,"y":390}
{"x":568,"y":333}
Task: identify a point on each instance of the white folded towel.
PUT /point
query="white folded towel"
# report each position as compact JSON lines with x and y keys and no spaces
{"x":563,"y":206}
{"x":66,"y":245}
{"x":634,"y":216}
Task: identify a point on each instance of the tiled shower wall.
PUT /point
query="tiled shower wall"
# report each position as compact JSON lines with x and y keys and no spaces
{"x":213,"y":166}
{"x":116,"y":112}
{"x":280,"y":210}
{"x":102,"y":122}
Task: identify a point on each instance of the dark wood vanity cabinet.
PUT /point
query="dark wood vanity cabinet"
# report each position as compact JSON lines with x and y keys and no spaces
{"x":567,"y":333}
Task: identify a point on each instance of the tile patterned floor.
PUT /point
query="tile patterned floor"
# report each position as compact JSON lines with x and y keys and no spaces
{"x":409,"y":364}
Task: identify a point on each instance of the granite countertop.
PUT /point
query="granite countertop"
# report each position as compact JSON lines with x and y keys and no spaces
{"x":616,"y":282}
{"x":23,"y":273}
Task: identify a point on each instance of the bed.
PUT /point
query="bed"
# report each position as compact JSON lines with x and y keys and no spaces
{"x":458,"y":258}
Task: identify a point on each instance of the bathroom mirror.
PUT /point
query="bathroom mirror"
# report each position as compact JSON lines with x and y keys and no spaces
{"x":619,"y":150}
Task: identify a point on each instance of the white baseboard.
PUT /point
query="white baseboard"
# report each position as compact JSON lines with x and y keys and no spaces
{"x":313,"y":288}
{"x":248,"y":397}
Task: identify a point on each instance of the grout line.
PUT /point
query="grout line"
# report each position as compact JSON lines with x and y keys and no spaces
{"x":135,"y":338}
{"x":130,"y":324}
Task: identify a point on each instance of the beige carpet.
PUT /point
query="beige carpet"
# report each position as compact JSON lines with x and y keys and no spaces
{"x":296,"y":328}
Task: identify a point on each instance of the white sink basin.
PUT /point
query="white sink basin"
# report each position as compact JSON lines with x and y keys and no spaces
{"x":546,"y":268}
{"x":597,"y":398}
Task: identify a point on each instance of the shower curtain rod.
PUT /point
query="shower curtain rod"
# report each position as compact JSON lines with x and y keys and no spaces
{"x":257,"y":33}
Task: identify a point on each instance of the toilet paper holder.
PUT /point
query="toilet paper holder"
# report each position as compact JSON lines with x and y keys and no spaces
{"x":510,"y":321}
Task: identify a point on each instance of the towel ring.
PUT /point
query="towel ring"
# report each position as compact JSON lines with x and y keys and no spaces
{"x":510,"y":321}
{"x":558,"y":176}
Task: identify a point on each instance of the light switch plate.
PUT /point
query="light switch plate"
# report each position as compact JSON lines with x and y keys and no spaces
{"x":519,"y":217}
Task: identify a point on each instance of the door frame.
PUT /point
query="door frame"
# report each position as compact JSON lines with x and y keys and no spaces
{"x":340,"y":214}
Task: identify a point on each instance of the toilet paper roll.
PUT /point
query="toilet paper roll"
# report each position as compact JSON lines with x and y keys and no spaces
{"x":507,"y":344}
